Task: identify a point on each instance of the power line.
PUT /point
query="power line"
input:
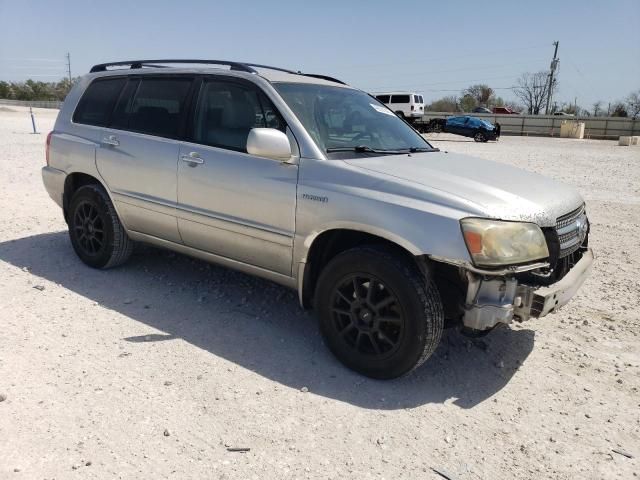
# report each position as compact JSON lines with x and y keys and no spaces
{"x":435,"y":59}
{"x":416,"y":85}
{"x":29,"y":60}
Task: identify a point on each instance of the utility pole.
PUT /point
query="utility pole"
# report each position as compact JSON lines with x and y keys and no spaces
{"x":69,"y":66}
{"x":554,"y":65}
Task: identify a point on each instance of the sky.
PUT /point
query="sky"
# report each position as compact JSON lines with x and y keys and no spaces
{"x":435,"y":48}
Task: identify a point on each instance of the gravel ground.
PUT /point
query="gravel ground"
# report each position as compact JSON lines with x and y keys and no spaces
{"x":155,"y":369}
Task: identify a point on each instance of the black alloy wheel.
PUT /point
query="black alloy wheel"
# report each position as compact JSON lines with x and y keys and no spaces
{"x":97,"y":235}
{"x":378,"y":312}
{"x":89,"y":228}
{"x":368,"y":315}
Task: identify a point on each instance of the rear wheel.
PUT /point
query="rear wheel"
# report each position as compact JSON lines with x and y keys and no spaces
{"x":378,"y":313}
{"x":96,"y":234}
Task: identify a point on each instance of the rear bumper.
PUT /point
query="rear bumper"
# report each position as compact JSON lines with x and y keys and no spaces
{"x":493,"y":300}
{"x":53,"y":180}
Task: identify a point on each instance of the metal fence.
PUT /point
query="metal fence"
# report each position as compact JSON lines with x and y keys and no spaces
{"x":34,"y":104}
{"x":549,"y":125}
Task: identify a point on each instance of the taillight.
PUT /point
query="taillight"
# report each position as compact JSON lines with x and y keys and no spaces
{"x":46,"y":152}
{"x":412,"y":108}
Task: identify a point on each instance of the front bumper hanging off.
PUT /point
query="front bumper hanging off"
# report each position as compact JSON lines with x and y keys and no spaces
{"x":493,"y":300}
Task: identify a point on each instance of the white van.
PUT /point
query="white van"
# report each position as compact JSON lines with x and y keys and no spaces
{"x":405,"y":104}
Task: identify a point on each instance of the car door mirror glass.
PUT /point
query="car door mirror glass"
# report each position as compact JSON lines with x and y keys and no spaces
{"x":269,"y":143}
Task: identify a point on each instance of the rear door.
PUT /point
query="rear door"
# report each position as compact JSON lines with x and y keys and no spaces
{"x":138,"y":153}
{"x":231,"y":203}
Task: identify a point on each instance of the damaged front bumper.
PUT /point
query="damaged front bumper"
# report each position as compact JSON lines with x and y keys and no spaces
{"x":500,"y":299}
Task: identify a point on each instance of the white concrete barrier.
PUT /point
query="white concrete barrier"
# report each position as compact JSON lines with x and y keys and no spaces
{"x":629,"y":140}
{"x":572,"y":129}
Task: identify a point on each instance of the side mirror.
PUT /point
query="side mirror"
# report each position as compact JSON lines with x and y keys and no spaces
{"x":269,"y":143}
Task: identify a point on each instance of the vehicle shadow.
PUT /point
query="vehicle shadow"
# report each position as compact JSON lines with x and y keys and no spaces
{"x":260,"y":326}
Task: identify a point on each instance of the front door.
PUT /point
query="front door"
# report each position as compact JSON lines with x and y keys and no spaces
{"x":138,"y":153}
{"x":231,"y":203}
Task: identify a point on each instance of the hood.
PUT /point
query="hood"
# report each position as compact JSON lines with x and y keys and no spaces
{"x":497,"y":190}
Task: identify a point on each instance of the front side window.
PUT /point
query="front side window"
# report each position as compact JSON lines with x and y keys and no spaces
{"x":384,"y":98}
{"x":158,"y":106}
{"x":227,"y":111}
{"x":98,"y":100}
{"x":344,"y":118}
{"x":400,"y":99}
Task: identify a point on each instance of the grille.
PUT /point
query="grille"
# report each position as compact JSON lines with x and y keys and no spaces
{"x":571,"y":229}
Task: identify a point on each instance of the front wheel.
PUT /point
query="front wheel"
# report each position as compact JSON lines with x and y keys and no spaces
{"x":96,"y":234}
{"x":378,"y":313}
{"x":480,"y":137}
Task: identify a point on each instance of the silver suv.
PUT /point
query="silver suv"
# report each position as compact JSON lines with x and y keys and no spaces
{"x":318,"y":186}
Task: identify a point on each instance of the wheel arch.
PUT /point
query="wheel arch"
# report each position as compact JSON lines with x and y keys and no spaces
{"x":73,"y":181}
{"x":322,"y":246}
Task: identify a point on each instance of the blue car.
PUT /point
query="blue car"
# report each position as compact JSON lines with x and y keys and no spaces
{"x":476,"y":128}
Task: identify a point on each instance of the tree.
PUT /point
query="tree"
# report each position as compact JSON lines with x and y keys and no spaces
{"x":532,"y":90}
{"x":619,"y":110}
{"x":633,"y":104}
{"x":445,"y":104}
{"x":482,"y":94}
{"x":35,"y":90}
{"x":597,"y":107}
{"x":468,"y":103}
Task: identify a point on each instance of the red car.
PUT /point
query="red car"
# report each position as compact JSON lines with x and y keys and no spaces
{"x":504,"y":110}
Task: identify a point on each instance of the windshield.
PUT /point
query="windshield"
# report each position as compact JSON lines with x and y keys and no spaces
{"x":343,"y":119}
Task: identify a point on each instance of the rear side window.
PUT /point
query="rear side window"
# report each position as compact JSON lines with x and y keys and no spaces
{"x":383,"y":98}
{"x":98,"y":100}
{"x":158,"y":106}
{"x":400,"y":99}
{"x":227,"y":111}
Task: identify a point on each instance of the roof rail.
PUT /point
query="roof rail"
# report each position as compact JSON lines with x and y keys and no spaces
{"x":322,"y":77}
{"x":239,"y":66}
{"x":151,"y":63}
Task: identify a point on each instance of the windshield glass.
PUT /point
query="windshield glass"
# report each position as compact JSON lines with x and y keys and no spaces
{"x":343,"y":118}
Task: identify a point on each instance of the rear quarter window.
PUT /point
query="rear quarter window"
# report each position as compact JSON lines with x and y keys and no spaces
{"x":98,"y":101}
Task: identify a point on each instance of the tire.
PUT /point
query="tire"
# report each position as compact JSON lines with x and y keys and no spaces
{"x":437,"y":128}
{"x":480,"y":137}
{"x":378,"y":313}
{"x":96,"y":234}
{"x":400,"y":113}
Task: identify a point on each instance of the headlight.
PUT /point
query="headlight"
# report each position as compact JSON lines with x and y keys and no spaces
{"x":493,"y":243}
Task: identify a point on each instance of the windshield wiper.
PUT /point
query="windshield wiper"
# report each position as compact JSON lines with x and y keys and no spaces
{"x":366,"y":149}
{"x":423,"y":149}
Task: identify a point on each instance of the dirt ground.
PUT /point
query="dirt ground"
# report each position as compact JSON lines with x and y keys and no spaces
{"x":153,"y":370}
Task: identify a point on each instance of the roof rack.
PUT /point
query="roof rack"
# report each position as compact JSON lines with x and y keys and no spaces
{"x":101,"y":67}
{"x":238,"y":66}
